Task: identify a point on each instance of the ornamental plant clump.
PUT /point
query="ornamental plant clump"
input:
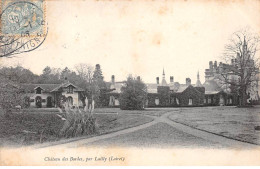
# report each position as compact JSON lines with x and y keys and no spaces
{"x":77,"y":122}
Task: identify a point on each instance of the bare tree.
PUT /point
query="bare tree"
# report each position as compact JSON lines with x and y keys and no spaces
{"x":84,"y":71}
{"x":242,"y":74}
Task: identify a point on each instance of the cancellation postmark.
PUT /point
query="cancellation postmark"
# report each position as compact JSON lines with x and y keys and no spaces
{"x":23,"y":26}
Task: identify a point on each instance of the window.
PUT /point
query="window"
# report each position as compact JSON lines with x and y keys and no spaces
{"x":230,"y":101}
{"x":70,"y":100}
{"x":190,"y":101}
{"x":156,"y":101}
{"x":205,"y":101}
{"x":209,"y":100}
{"x":116,"y":102}
{"x":177,"y":101}
{"x":70,"y":89}
{"x":38,"y":90}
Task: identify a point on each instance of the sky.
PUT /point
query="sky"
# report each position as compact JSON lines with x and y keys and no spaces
{"x":139,"y":37}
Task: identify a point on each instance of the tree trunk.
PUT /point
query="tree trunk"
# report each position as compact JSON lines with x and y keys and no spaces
{"x":243,"y":98}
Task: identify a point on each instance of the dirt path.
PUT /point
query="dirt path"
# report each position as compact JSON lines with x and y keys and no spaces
{"x":163,"y":119}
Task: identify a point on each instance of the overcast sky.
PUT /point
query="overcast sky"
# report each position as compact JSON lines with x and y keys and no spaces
{"x":139,"y":37}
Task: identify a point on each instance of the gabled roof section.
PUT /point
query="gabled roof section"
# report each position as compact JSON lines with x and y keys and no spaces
{"x":65,"y":85}
{"x":38,"y":87}
{"x":48,"y":87}
{"x":211,"y":86}
{"x":151,"y":87}
{"x":31,"y":87}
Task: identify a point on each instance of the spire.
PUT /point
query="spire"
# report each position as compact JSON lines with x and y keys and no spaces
{"x":198,"y":83}
{"x":164,"y":83}
{"x":163,"y":73}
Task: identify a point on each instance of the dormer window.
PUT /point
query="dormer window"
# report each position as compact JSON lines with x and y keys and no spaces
{"x":38,"y":90}
{"x":70,"y":89}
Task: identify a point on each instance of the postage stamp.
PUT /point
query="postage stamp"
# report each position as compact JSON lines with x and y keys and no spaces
{"x":22,"y":17}
{"x":23,"y":27}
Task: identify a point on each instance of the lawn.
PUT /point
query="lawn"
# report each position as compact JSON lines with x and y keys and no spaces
{"x":32,"y":127}
{"x":233,"y":122}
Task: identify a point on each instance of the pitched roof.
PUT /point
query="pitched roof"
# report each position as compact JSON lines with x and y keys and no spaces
{"x":116,"y":86}
{"x":48,"y":87}
{"x":176,"y":87}
{"x":212,"y":92}
{"x":65,"y":85}
{"x":211,"y":86}
{"x":151,"y":87}
{"x":198,"y":83}
{"x":31,"y":87}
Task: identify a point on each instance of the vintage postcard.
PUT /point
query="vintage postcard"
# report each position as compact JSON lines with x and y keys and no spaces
{"x":129,"y":82}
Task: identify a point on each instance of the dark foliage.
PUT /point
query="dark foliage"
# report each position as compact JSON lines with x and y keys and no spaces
{"x":133,"y":95}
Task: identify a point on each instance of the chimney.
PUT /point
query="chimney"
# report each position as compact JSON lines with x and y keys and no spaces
{"x":171,"y":79}
{"x":113,"y":78}
{"x":157,"y":80}
{"x":188,"y":81}
{"x":220,"y":67}
{"x":138,"y":78}
{"x":97,"y":66}
{"x":210,"y":65}
{"x":215,"y":64}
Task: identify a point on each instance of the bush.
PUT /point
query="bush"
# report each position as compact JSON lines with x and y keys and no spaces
{"x":133,"y":95}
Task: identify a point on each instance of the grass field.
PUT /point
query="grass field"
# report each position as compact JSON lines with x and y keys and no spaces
{"x":233,"y":122}
{"x":35,"y":127}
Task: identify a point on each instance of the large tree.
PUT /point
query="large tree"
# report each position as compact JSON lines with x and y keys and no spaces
{"x":242,"y":75}
{"x":133,"y":94}
{"x":99,"y":87}
{"x":19,"y":74}
{"x":11,"y":93}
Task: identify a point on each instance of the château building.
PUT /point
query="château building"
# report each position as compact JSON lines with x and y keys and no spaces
{"x":163,"y":94}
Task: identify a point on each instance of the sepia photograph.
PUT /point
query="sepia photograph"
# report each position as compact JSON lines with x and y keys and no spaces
{"x":129,"y":83}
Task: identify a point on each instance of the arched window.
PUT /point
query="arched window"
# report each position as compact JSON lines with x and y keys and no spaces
{"x":70,"y":100}
{"x":38,"y":102}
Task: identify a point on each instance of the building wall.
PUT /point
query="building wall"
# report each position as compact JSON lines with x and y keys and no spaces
{"x":43,"y":96}
{"x":75,"y":97}
{"x":190,"y":93}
